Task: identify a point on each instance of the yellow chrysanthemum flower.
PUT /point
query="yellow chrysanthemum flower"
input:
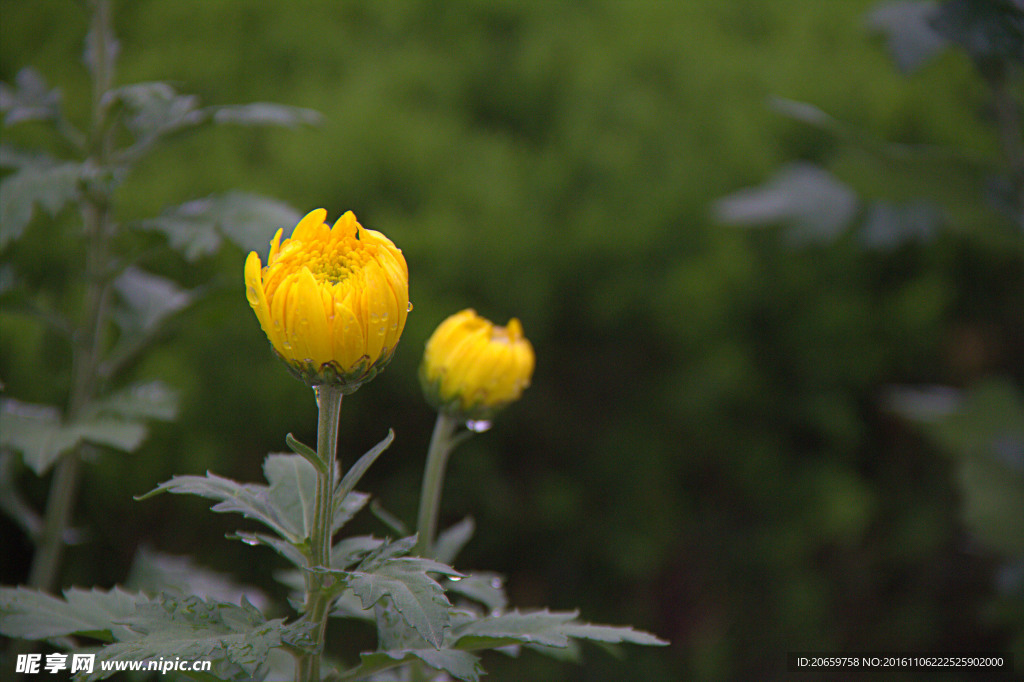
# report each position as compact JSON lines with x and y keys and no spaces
{"x":332,"y":301}
{"x":472,"y":368}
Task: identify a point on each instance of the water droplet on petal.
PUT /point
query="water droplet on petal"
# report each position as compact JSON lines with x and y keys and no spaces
{"x":408,"y":308}
{"x":478,"y":425}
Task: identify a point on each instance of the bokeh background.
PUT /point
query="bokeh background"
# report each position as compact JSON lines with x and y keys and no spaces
{"x":712,"y":448}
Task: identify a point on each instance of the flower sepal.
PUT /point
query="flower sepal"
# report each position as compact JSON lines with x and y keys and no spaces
{"x":331,"y":373}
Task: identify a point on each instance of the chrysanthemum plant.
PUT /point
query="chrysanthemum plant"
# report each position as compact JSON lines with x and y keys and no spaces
{"x":104,"y":305}
{"x":333,"y":302}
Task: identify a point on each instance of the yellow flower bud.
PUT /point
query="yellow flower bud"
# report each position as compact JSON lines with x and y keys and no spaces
{"x":332,"y":300}
{"x":472,"y":369}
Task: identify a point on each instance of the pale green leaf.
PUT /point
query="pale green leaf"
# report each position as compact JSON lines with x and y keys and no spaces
{"x":451,"y":540}
{"x":459,"y":664}
{"x":38,"y":432}
{"x":155,"y":572}
{"x":48,"y":187}
{"x":908,"y":27}
{"x":417,"y":597}
{"x":265,"y":113}
{"x":486,"y":588}
{"x":611,"y":634}
{"x":289,"y":551}
{"x":155,"y":108}
{"x":238,"y":638}
{"x":197,"y":227}
{"x":248,"y":499}
{"x":811,"y":201}
{"x":31,"y":98}
{"x":353,"y":476}
{"x":146,"y":300}
{"x":534,"y":627}
{"x":30,"y":614}
{"x":352,"y":549}
{"x":542,"y":628}
{"x":150,"y":400}
{"x":292,"y":490}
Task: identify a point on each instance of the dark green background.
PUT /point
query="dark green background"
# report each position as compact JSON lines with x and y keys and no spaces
{"x":704,"y":452}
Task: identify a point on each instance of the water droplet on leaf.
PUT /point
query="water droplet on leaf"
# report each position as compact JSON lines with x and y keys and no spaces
{"x":478,"y":425}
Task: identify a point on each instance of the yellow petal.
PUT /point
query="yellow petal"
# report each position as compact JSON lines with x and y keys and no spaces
{"x":310,"y":226}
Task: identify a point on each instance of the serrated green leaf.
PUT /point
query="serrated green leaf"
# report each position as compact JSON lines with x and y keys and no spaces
{"x":30,"y":100}
{"x":811,"y":201}
{"x":909,"y":33}
{"x":348,"y":605}
{"x":534,"y":627}
{"x":149,"y":400}
{"x":289,"y":551}
{"x":348,"y":551}
{"x":265,"y":113}
{"x":193,"y":628}
{"x":353,"y":476}
{"x":486,"y":588}
{"x":30,"y":614}
{"x":155,"y":572}
{"x":14,"y":157}
{"x":612,"y":634}
{"x":196,"y":228}
{"x":38,"y":432}
{"x":451,"y":540}
{"x":48,"y":187}
{"x":248,"y":499}
{"x":387,"y":550}
{"x":146,"y":300}
{"x":292,"y":490}
{"x":155,"y":108}
{"x":459,"y":664}
{"x":417,"y":597}
{"x":542,"y":628}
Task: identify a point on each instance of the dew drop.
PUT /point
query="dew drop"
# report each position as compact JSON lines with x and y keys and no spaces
{"x":478,"y":425}
{"x":496,"y":583}
{"x":408,"y":308}
{"x":454,"y":578}
{"x":384,"y":315}
{"x":251,"y":541}
{"x":394,"y":326}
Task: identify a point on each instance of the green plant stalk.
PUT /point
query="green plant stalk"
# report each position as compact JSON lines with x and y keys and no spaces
{"x":441,"y":445}
{"x":88,"y":338}
{"x":317,"y":605}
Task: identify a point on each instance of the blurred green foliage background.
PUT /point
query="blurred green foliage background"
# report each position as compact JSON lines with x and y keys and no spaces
{"x":706,"y":451}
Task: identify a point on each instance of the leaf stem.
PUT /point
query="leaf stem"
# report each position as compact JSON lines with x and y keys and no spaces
{"x":441,"y":445}
{"x":317,"y":608}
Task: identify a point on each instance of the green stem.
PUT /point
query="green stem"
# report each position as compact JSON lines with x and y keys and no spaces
{"x":441,"y":444}
{"x":317,"y":598}
{"x":88,"y":338}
